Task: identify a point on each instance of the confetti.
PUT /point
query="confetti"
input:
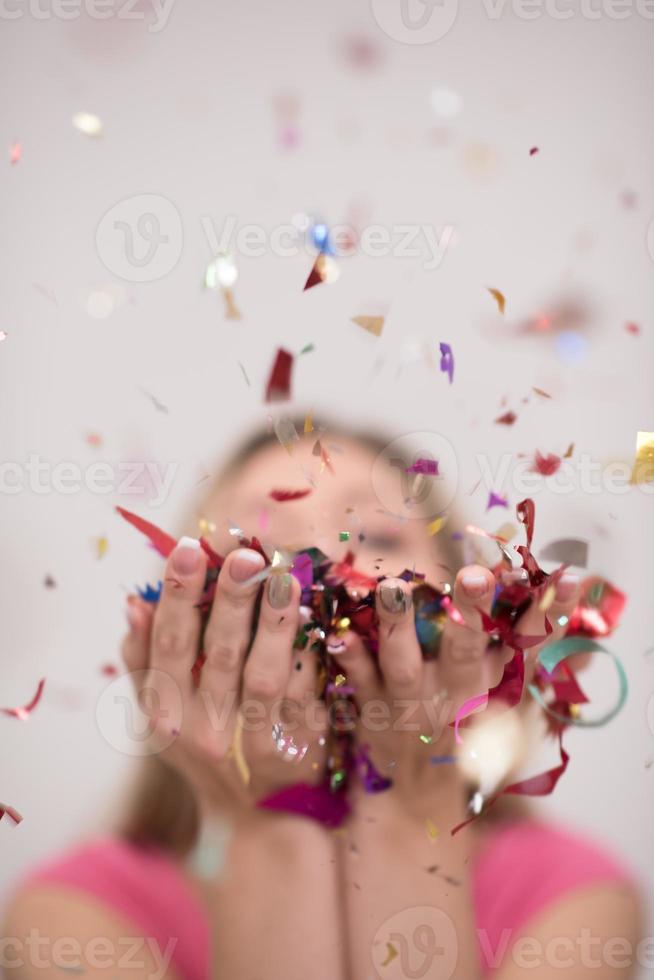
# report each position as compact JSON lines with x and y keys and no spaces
{"x":428,"y":467}
{"x":567,"y":551}
{"x":49,"y":582}
{"x":447,"y":360}
{"x":100,"y":546}
{"x":373,"y":324}
{"x":282,"y":496}
{"x":539,"y":391}
{"x":87,"y":123}
{"x":533,"y":151}
{"x":23,"y":713}
{"x":11,"y":812}
{"x":308,"y":423}
{"x":569,"y":451}
{"x":3,"y":335}
{"x":286,"y":433}
{"x":160,"y":407}
{"x":324,"y":270}
{"x":343,"y":535}
{"x":643,"y":469}
{"x":308,"y":349}
{"x":632,"y":328}
{"x":433,"y":527}
{"x":546,"y":465}
{"x":494,"y":500}
{"x":220,"y":276}
{"x":15,"y":153}
{"x":507,"y":419}
{"x":279,"y":383}
{"x":391,"y":953}
{"x":109,"y":670}
{"x":244,"y":373}
{"x":498,"y":297}
{"x":432,"y":829}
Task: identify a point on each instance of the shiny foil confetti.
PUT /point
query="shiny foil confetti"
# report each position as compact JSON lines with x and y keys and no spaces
{"x":100,"y":546}
{"x":11,"y":813}
{"x":373,"y":324}
{"x":495,"y":500}
{"x":507,"y":419}
{"x":546,"y":465}
{"x":447,"y":360}
{"x":283,"y":496}
{"x":433,"y":527}
{"x":498,"y":297}
{"x":566,"y":551}
{"x":25,"y":711}
{"x":324,"y":270}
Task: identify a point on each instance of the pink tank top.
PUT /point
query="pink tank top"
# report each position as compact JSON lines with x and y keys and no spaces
{"x":521,"y":868}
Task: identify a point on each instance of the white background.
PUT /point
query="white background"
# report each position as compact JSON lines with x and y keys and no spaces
{"x":189,"y":114}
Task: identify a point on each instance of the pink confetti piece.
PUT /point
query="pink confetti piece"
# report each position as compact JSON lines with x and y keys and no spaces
{"x":24,"y":712}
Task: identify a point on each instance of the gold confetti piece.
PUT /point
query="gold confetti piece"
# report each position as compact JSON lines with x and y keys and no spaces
{"x":373,"y":324}
{"x":87,"y":123}
{"x":426,"y":739}
{"x":343,"y":625}
{"x":339,"y":680}
{"x":391,"y":953}
{"x":643,"y":471}
{"x":569,"y":451}
{"x":236,"y":751}
{"x":432,"y":829}
{"x":539,"y":391}
{"x":434,"y":526}
{"x":308,"y":422}
{"x":100,"y":545}
{"x":547,"y":598}
{"x":205,"y":526}
{"x":498,"y":297}
{"x":232,"y":311}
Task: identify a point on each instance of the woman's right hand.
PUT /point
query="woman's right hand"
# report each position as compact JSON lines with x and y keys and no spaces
{"x":220,"y":733}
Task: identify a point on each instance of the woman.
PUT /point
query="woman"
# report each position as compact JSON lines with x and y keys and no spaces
{"x":391,"y":893}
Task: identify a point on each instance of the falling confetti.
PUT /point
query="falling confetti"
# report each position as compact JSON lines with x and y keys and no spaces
{"x":15,"y":153}
{"x":643,"y":469}
{"x":308,"y":349}
{"x":308,"y":423}
{"x":569,"y":451}
{"x":428,"y":467}
{"x":343,"y":535}
{"x":539,"y":391}
{"x":10,"y":812}
{"x":88,"y":124}
{"x":533,"y":151}
{"x":285,"y":495}
{"x":244,"y":372}
{"x":567,"y":551}
{"x":160,"y":407}
{"x":49,"y":582}
{"x":279,"y":383}
{"x":93,"y":439}
{"x":447,"y":360}
{"x":373,"y":324}
{"x":24,"y":712}
{"x":498,"y":297}
{"x":432,"y":829}
{"x":507,"y":419}
{"x":494,"y":500}
{"x":546,"y":465}
{"x":324,"y":270}
{"x":632,"y":328}
{"x":100,"y":546}
{"x":3,"y":335}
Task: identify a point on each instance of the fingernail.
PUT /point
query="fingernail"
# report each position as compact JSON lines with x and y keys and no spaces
{"x":244,"y":564}
{"x":566,"y":586}
{"x":279,"y":589}
{"x":476,"y":585}
{"x":393,"y":597}
{"x":186,"y":556}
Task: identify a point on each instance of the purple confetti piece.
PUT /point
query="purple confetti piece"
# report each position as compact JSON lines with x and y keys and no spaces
{"x":447,"y":361}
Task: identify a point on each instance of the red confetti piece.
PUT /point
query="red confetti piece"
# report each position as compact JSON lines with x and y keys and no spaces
{"x":547,"y":465}
{"x":539,"y":391}
{"x":24,"y":712}
{"x":285,"y":495}
{"x":507,"y":419}
{"x":279,"y":383}
{"x":109,"y":670}
{"x":15,"y":153}
{"x":10,"y":812}
{"x":428,"y":467}
{"x":533,"y":151}
{"x":49,"y":582}
{"x":632,"y":328}
{"x":162,"y":542}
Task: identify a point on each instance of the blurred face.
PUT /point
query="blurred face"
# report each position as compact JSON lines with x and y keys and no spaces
{"x":385,"y":534}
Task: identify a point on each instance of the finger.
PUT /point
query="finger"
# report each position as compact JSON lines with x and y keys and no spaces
{"x":558,"y":612}
{"x":177,"y":621}
{"x":268,"y":666}
{"x":229,"y":629}
{"x":303,"y":678}
{"x":358,"y":666}
{"x":464,"y":641}
{"x":400,"y":656}
{"x":135,"y":649}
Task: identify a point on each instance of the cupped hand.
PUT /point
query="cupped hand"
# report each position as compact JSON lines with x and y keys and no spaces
{"x":406,"y":704}
{"x":248,"y":722}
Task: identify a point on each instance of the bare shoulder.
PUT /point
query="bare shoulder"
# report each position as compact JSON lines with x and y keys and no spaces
{"x":50,"y":928}
{"x":593,"y":932}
